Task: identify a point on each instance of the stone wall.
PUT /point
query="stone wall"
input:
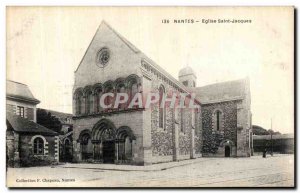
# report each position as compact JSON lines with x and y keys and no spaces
{"x":132,"y":119}
{"x":19,"y":150}
{"x":123,"y":60}
{"x":211,"y":137}
{"x":26,"y":151}
{"x":12,"y":154}
{"x":163,"y":139}
{"x":29,"y":109}
{"x":198,"y":133}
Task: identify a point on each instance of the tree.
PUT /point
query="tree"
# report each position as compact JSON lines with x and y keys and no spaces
{"x":257,"y":130}
{"x":47,"y":120}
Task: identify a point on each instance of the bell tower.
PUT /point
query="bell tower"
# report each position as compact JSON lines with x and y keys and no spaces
{"x":187,"y":77}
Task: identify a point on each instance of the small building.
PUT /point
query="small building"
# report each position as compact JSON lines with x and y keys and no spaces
{"x":27,"y":143}
{"x":63,"y":124}
{"x":279,"y":143}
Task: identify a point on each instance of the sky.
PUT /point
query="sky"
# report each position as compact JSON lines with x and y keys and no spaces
{"x":45,"y":46}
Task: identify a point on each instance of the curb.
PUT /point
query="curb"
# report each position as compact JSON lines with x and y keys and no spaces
{"x":142,"y":169}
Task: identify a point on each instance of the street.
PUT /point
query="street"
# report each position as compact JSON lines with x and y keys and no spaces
{"x":277,"y":171}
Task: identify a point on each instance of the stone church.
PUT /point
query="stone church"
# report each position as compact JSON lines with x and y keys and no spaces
{"x":221,"y":126}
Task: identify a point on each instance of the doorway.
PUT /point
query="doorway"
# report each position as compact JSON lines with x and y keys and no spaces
{"x":67,"y":152}
{"x":97,"y":151}
{"x":108,"y":152}
{"x":227,"y":151}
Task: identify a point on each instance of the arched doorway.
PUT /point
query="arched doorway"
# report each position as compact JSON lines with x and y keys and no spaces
{"x":67,"y":152}
{"x":227,"y":151}
{"x":103,"y":138}
{"x":112,"y":145}
{"x":125,"y":140}
{"x":227,"y":148}
{"x":85,"y":145}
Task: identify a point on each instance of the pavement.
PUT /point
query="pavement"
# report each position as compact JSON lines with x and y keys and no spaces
{"x":276,"y":171}
{"x":114,"y":167}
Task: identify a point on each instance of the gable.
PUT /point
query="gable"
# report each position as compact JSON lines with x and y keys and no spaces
{"x":123,"y":58}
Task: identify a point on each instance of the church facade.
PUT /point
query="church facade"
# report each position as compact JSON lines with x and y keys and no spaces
{"x":139,"y":135}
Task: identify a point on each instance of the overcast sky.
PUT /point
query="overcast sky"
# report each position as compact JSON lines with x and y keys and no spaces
{"x":45,"y":46}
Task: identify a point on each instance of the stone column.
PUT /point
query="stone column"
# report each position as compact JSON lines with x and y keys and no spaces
{"x":175,"y":136}
{"x":94,"y":147}
{"x":134,"y":151}
{"x":145,"y":157}
{"x":116,"y":151}
{"x":176,"y":142}
{"x":101,"y":150}
{"x":192,"y":143}
{"x":76,"y":151}
{"x":241,"y":149}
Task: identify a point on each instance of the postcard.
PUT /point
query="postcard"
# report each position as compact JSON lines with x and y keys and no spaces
{"x":115,"y":97}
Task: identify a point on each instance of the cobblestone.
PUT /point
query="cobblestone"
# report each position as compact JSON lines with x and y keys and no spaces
{"x":277,"y":171}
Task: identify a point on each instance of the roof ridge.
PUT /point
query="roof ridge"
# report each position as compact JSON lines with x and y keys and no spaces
{"x":224,"y":82}
{"x":16,"y":82}
{"x":125,"y":40}
{"x":144,"y":56}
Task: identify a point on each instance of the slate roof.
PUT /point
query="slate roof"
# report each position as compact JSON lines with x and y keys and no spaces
{"x":22,"y":125}
{"x":219,"y":92}
{"x":19,"y":91}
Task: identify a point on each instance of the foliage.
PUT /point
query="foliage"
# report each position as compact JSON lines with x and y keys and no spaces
{"x":33,"y":160}
{"x":257,"y":130}
{"x":49,"y":121}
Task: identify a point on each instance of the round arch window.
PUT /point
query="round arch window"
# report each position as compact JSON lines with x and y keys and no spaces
{"x":103,"y":57}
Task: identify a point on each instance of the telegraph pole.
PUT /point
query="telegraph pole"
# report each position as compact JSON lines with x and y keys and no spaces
{"x":271,"y":138}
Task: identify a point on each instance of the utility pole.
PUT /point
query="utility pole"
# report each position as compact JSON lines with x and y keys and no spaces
{"x":271,"y":138}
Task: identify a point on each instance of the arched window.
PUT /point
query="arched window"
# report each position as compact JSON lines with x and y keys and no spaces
{"x":133,"y":89}
{"x":182,"y":120}
{"x":109,"y":100}
{"x":38,"y":146}
{"x":218,"y":120}
{"x":89,"y":102}
{"x":121,"y":89}
{"x":97,"y":97}
{"x":78,"y":101}
{"x":161,"y":111}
